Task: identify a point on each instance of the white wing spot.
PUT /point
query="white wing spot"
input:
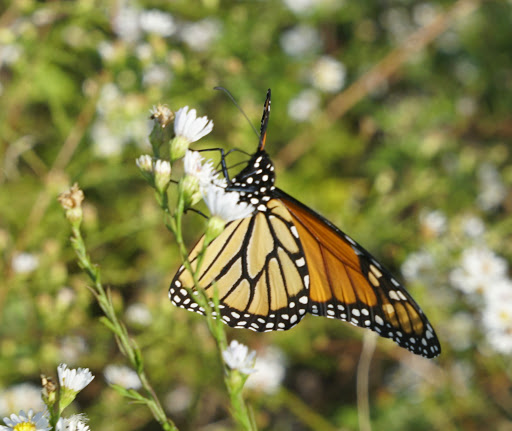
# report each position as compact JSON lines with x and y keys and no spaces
{"x":300,"y":262}
{"x":393,"y":295}
{"x":294,"y":231}
{"x":379,"y":320}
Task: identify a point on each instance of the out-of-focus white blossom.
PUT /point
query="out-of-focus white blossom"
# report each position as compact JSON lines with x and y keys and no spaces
{"x":200,"y":35}
{"x":156,"y":21}
{"x":23,"y":263}
{"x":270,"y":371}
{"x":139,"y":314}
{"x":178,"y":399}
{"x":418,"y":266}
{"x":479,"y":270}
{"x":473,"y":226}
{"x":122,"y":376}
{"x":156,"y":75}
{"x":23,"y":395}
{"x":433,"y":223}
{"x":304,"y":105}
{"x":300,"y":41}
{"x":492,"y":190}
{"x":328,"y":75}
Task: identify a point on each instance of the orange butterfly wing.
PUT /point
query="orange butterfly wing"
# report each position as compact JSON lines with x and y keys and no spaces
{"x":347,"y":283}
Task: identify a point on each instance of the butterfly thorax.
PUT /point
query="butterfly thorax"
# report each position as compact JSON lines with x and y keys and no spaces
{"x":255,"y":182}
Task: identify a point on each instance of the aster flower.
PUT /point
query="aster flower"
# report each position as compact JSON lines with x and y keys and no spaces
{"x":26,"y":422}
{"x":16,"y":397}
{"x":238,"y":357}
{"x":74,"y":379}
{"x":270,"y":371}
{"x":328,"y":75}
{"x":225,"y":205}
{"x":196,"y":167}
{"x":188,"y":128}
{"x":71,"y":382}
{"x":73,"y":423}
{"x":122,"y":376}
{"x":187,"y":125}
{"x":480,"y":269}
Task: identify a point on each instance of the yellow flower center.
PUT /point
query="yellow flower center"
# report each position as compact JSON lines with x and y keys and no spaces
{"x":25,"y":426}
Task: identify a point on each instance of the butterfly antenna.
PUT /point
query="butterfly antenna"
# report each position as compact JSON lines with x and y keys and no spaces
{"x":264,"y":122}
{"x":238,"y":106}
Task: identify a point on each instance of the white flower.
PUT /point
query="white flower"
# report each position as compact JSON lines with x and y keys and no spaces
{"x":156,"y":21}
{"x":328,"y":75}
{"x":179,"y":399}
{"x":300,"y":6}
{"x":122,"y":376}
{"x":23,"y":263}
{"x":473,"y":226}
{"x":73,"y":423}
{"x":156,"y":75}
{"x":270,"y":371}
{"x":225,"y":205}
{"x":188,"y":126}
{"x":418,"y":265}
{"x":238,"y":357}
{"x":71,"y":348}
{"x":480,"y":269}
{"x":194,"y":166}
{"x":497,"y":317}
{"x":300,"y":40}
{"x":200,"y":35}
{"x":74,"y":379}
{"x":302,"y":106}
{"x":19,"y":396}
{"x":139,"y":314}
{"x":126,"y":23}
{"x":433,"y":223}
{"x":26,"y":422}
{"x":492,"y":190}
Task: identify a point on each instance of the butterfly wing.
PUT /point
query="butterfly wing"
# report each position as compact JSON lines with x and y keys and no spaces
{"x":259,"y":269}
{"x":347,"y":283}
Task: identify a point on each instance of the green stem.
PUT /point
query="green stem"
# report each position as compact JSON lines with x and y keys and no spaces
{"x":127,"y":345}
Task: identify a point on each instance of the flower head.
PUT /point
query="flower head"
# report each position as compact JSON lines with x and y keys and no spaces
{"x":26,"y":422}
{"x":225,"y":205}
{"x":73,"y":423}
{"x":270,"y":371}
{"x":189,"y":126}
{"x":162,"y":171}
{"x":195,"y":166}
{"x":74,"y":379}
{"x":122,"y":376}
{"x":238,"y":357}
{"x":480,"y":269}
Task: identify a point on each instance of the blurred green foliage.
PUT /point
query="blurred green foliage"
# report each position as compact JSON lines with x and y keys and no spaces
{"x":77,"y":80}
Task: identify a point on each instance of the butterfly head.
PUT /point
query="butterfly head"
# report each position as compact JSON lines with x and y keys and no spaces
{"x":255,"y":182}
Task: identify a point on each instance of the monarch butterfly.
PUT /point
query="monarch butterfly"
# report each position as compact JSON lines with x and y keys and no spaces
{"x":285,"y":260}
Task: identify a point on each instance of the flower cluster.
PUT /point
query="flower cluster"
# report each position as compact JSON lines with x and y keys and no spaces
{"x":71,"y":381}
{"x":201,"y":180}
{"x":484,"y":277}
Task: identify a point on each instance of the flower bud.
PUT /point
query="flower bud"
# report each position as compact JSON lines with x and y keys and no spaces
{"x":162,"y":173}
{"x":71,"y":201}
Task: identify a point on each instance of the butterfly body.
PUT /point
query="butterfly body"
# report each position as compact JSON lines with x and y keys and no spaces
{"x":285,"y":260}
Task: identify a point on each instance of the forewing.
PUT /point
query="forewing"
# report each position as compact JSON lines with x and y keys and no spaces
{"x":347,"y":283}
